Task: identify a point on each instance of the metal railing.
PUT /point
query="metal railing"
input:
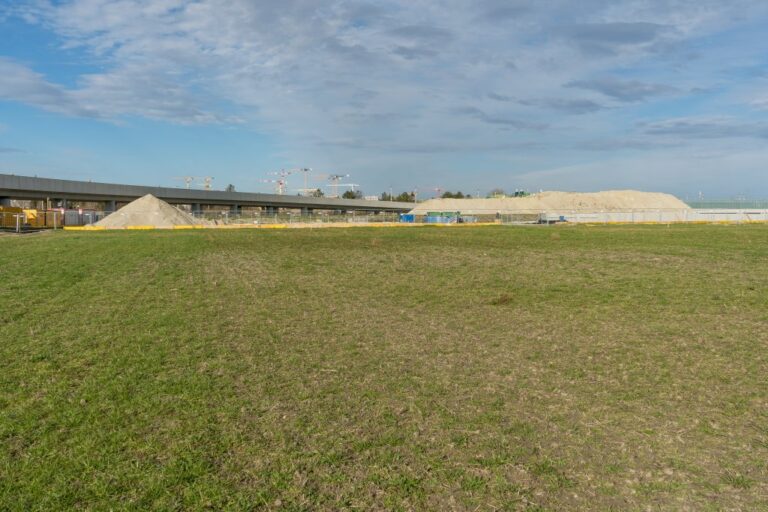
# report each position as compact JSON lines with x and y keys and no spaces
{"x":18,"y":220}
{"x":636,"y":216}
{"x":266,"y":218}
{"x":729,"y":204}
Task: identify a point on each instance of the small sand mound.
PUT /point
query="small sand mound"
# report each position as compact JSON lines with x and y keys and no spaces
{"x":611,"y":200}
{"x":148,"y":211}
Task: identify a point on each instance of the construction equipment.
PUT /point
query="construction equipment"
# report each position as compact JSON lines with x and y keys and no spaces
{"x":188,"y":180}
{"x":337,"y":185}
{"x":280,"y":185}
{"x":307,"y":190}
{"x":305,"y":171}
{"x":281,"y":181}
{"x":207,"y":182}
{"x":335,"y":179}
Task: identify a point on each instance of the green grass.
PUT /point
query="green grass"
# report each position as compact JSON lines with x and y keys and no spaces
{"x":552,"y":368}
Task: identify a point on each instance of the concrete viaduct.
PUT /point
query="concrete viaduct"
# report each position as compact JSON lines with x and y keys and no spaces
{"x":62,"y":191}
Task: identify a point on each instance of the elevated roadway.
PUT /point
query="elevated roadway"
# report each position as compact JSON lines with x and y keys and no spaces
{"x":62,"y":191}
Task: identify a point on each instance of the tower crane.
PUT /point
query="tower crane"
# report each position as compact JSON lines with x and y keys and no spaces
{"x":188,"y":180}
{"x":335,"y":179}
{"x":280,"y":185}
{"x":305,"y":171}
{"x":207,"y":182}
{"x":281,"y":181}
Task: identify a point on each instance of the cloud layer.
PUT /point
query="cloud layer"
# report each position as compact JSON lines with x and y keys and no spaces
{"x":387,"y":77}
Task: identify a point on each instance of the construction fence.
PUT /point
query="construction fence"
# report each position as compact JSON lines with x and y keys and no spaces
{"x":638,"y":216}
{"x":20,"y":220}
{"x":24,"y":219}
{"x":264,"y":218}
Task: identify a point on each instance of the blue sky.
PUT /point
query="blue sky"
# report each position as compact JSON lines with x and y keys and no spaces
{"x":557,"y":95}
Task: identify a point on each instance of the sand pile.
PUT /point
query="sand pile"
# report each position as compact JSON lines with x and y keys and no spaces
{"x":148,"y":211}
{"x":611,"y":200}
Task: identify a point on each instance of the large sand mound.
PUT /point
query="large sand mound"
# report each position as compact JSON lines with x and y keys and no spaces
{"x":148,"y":211}
{"x":611,"y":200}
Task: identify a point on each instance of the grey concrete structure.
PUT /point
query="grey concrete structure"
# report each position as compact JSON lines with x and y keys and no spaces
{"x":25,"y":187}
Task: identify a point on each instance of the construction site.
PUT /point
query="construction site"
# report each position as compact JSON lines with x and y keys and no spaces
{"x":89,"y":206}
{"x":187,"y":349}
{"x":361,"y":255}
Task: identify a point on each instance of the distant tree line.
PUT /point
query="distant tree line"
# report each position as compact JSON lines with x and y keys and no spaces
{"x":403,"y":197}
{"x":410,"y":197}
{"x":455,"y":195}
{"x":352,"y":194}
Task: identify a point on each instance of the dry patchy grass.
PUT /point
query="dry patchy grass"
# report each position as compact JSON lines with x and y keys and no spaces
{"x":490,"y":368}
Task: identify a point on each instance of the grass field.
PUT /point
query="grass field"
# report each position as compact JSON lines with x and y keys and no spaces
{"x":551,"y":368}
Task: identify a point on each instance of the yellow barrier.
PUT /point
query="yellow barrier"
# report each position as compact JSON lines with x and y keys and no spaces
{"x":84,"y":228}
{"x":297,"y":225}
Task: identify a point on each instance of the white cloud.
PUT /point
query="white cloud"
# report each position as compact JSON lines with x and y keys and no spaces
{"x":403,"y":76}
{"x":760,"y":103}
{"x":131,"y":90}
{"x":279,"y":56}
{"x":707,"y":128}
{"x":20,"y":83}
{"x":623,"y":90}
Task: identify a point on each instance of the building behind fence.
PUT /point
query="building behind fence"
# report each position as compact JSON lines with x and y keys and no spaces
{"x":20,"y":219}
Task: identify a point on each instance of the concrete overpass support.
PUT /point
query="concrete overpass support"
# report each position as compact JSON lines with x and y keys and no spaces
{"x":306,"y":212}
{"x":111,"y":206}
{"x":5,"y":201}
{"x":234,"y":209}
